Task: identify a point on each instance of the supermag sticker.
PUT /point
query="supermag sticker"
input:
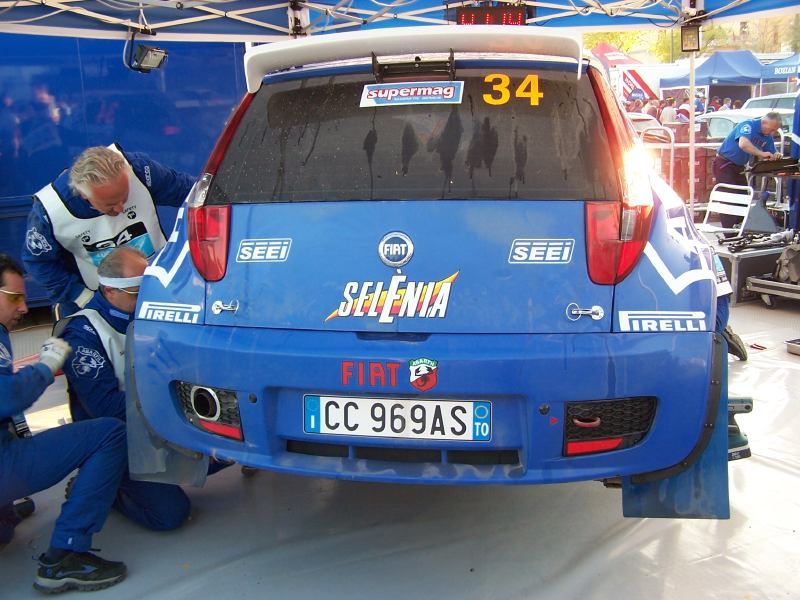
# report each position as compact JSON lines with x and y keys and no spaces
{"x":412,"y":92}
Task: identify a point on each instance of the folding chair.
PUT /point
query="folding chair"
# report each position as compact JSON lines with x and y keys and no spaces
{"x":727,"y":199}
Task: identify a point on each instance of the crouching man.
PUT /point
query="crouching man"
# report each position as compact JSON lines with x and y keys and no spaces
{"x":96,"y":375}
{"x":30,"y":464}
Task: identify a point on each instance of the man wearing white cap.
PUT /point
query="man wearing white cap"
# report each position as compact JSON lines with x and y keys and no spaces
{"x":96,"y":375}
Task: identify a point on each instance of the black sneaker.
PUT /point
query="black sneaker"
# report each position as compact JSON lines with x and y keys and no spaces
{"x":735,"y":344}
{"x":82,"y":571}
{"x":24,"y":508}
{"x":68,"y":488}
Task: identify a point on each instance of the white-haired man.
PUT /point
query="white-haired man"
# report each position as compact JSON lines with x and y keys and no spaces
{"x":106,"y":199}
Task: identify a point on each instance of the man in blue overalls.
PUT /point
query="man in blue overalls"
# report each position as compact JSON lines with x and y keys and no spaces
{"x":750,"y":138}
{"x":106,"y":199}
{"x":96,"y":374}
{"x":30,"y":464}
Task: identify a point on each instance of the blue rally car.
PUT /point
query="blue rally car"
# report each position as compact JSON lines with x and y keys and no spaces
{"x":429,"y":255}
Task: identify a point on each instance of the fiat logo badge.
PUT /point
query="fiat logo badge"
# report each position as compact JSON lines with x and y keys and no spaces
{"x":395,"y":249}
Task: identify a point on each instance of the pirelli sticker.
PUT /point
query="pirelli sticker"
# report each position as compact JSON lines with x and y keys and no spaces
{"x":412,"y":92}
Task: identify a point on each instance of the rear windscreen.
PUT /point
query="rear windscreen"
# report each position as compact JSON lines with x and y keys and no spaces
{"x":513,"y":134}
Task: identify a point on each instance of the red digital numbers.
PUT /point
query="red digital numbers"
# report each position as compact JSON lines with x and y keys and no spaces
{"x":490,"y":15}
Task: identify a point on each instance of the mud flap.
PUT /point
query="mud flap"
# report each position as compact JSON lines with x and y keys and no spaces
{"x":151,"y":458}
{"x":699,"y":491}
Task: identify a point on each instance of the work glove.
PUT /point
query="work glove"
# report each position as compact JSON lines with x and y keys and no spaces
{"x":53,"y":353}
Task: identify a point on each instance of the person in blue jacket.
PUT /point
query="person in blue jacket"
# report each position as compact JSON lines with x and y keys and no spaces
{"x":106,"y":199}
{"x":750,"y":138}
{"x":95,"y":373}
{"x":30,"y":464}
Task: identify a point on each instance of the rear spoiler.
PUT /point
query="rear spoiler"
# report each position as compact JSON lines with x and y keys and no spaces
{"x":267,"y":58}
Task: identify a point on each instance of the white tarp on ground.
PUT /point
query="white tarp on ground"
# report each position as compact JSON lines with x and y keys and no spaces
{"x":278,"y":536}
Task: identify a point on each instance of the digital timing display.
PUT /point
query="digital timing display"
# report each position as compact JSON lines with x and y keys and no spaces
{"x":491,"y":15}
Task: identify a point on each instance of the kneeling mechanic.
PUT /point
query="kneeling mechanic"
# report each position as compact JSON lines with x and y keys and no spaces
{"x":30,"y":464}
{"x":96,"y":375}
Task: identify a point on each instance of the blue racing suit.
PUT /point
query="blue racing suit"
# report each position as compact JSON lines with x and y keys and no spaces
{"x":95,"y":391}
{"x":32,"y":464}
{"x":55,"y":267}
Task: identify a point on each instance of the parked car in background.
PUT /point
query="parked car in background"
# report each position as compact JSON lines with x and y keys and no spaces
{"x":642,"y":121}
{"x":772,"y":101}
{"x":721,"y":123}
{"x":648,"y":127}
{"x":414,"y":257}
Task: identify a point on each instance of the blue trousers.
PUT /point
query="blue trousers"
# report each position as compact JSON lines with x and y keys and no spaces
{"x":156,"y":506}
{"x":97,"y":448}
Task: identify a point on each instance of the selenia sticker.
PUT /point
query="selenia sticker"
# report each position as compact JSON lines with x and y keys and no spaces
{"x":412,"y":92}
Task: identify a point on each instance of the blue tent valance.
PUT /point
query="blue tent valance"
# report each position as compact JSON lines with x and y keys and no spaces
{"x":782,"y":69}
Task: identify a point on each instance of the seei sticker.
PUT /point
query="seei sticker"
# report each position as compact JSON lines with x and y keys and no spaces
{"x":412,"y":92}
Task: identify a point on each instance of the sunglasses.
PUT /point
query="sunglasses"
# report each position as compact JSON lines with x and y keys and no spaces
{"x":129,"y":292}
{"x":14,"y":297}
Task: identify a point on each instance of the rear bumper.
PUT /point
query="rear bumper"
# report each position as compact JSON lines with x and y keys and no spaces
{"x":529,"y":379}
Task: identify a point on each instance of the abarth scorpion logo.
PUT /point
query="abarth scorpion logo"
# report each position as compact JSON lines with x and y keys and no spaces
{"x":424,"y":373}
{"x":87,"y":362}
{"x":36,"y":242}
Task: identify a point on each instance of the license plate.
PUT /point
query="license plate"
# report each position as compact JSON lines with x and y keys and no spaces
{"x":398,"y":418}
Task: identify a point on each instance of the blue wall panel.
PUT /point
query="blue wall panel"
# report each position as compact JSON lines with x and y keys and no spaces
{"x":61,"y":95}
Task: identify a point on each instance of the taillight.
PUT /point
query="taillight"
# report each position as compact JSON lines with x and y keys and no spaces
{"x":617,"y":231}
{"x":209,"y":224}
{"x":208,"y":239}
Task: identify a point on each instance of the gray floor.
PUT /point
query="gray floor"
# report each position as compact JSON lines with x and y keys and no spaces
{"x":276,"y":536}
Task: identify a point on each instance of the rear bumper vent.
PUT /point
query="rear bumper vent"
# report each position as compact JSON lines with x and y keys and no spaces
{"x":592,"y":427}
{"x":406,"y":455}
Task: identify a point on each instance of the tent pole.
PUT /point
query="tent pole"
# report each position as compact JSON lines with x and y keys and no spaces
{"x":692,"y":94}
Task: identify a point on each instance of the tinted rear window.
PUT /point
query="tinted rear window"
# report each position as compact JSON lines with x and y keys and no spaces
{"x":308,"y":140}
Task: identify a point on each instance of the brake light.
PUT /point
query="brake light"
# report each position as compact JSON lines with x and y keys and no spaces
{"x":617,"y":231}
{"x":208,"y":225}
{"x":208,"y":239}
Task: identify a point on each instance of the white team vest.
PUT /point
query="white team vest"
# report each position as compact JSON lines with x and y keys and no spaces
{"x":113,"y":342}
{"x":90,"y":240}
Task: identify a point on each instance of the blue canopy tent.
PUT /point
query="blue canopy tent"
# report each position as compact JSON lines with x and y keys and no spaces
{"x":264,"y":21}
{"x":736,"y":67}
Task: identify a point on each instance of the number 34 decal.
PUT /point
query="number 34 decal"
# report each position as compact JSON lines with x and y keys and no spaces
{"x":501,"y":89}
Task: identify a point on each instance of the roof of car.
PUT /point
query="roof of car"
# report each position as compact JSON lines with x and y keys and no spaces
{"x":739,"y":114}
{"x":634,"y":116}
{"x":268,"y":58}
{"x":770,"y":96}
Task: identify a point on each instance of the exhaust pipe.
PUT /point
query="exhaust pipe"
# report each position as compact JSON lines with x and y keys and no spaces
{"x":205,"y":403}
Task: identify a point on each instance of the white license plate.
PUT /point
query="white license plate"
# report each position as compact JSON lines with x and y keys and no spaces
{"x":398,"y":418}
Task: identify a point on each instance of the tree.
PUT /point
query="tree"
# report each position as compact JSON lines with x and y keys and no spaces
{"x":624,"y":40}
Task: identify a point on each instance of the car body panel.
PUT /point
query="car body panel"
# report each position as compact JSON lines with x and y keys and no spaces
{"x":331,"y":264}
{"x":271,"y":385}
